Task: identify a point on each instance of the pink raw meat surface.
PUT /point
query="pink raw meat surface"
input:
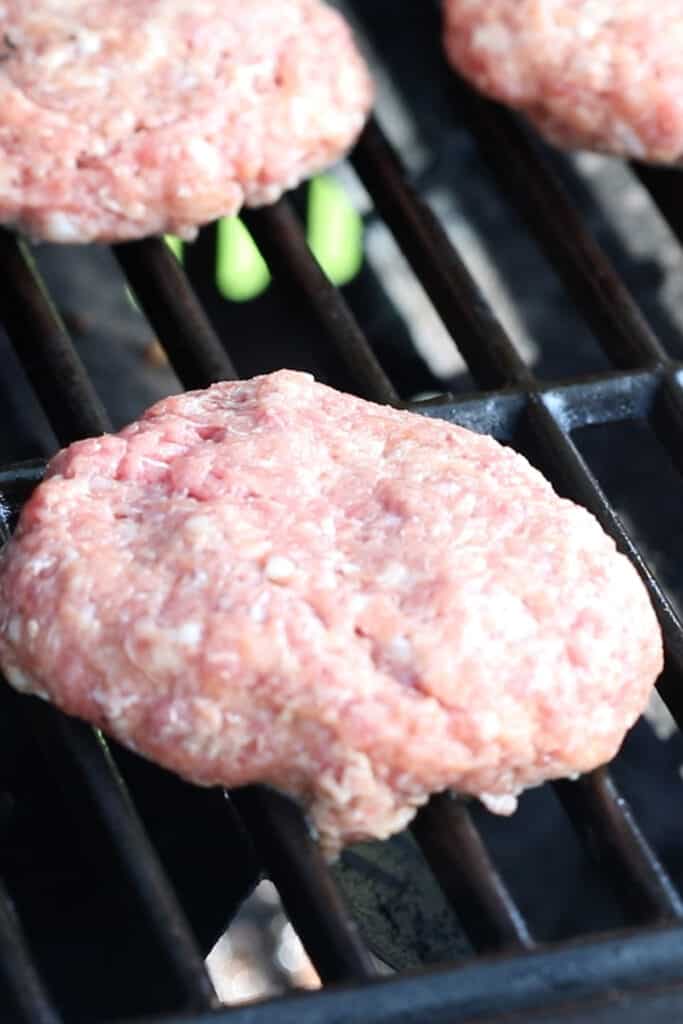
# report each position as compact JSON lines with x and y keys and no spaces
{"x":272,"y":581}
{"x":594,"y":74}
{"x":119,"y":120}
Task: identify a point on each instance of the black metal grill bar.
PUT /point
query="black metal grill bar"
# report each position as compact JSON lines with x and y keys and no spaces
{"x":454,"y":850}
{"x":90,"y":754}
{"x":490,"y":355}
{"x":172,"y":308}
{"x":309,"y":895}
{"x":605,"y":302}
{"x":280,"y":236}
{"x":487,"y":987}
{"x":524,"y":176}
{"x":44,"y":347}
{"x":609,"y":826}
{"x":16,"y":966}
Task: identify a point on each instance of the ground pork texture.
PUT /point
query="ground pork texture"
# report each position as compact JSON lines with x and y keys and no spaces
{"x":273,"y":581}
{"x":119,"y":120}
{"x":594,"y":74}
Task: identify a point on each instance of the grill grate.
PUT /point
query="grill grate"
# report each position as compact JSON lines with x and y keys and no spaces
{"x":623,"y":977}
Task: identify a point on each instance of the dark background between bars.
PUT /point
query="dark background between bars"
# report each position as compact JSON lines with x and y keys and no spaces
{"x":118,"y":877}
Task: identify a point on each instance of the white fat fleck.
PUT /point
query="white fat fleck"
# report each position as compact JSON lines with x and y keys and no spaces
{"x":56,"y":57}
{"x":14,"y":630}
{"x":493,"y":37}
{"x":602,"y":719}
{"x":400,"y":648}
{"x":256,"y":550}
{"x":393,"y":574}
{"x":61,"y":228}
{"x":488,"y":724}
{"x":156,"y":46}
{"x":259,"y":609}
{"x":86,"y":615}
{"x":201,"y":531}
{"x":115,"y":704}
{"x":162,"y":657}
{"x":497,"y":804}
{"x":205,"y":155}
{"x":32,"y":628}
{"x":19,"y":680}
{"x":189,"y":634}
{"x":279,"y":569}
{"x":327,"y":526}
{"x":37,"y":565}
{"x":88,"y":42}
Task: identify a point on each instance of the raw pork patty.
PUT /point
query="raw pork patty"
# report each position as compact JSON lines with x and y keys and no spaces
{"x":119,"y":120}
{"x":273,"y":581}
{"x":594,"y":74}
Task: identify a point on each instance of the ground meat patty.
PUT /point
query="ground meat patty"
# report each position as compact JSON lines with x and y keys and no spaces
{"x":273,"y":581}
{"x":595,"y":74}
{"x":119,"y":120}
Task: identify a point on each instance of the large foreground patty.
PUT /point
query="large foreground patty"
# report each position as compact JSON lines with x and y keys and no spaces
{"x":273,"y":581}
{"x":119,"y":120}
{"x":598,"y":74}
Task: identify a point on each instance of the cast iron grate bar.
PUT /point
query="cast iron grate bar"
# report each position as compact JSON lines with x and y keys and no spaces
{"x":524,"y":176}
{"x":490,"y":988}
{"x":311,"y":898}
{"x":607,"y":305}
{"x":16,"y":966}
{"x":280,"y":236}
{"x":490,"y":355}
{"x":170,"y":305}
{"x":44,"y":348}
{"x":88,"y":752}
{"x":456,"y":853}
{"x":645,"y":887}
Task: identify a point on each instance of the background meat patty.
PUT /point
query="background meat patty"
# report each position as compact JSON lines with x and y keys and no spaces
{"x":273,"y":581}
{"x":595,"y":74}
{"x":119,"y":120}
